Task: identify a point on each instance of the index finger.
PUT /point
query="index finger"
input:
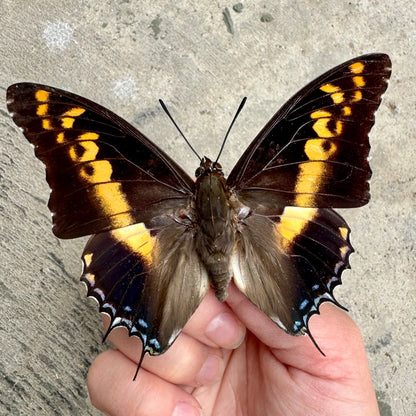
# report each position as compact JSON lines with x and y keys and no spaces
{"x":333,"y":330}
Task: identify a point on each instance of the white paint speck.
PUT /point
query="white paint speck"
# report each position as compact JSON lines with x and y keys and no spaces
{"x":124,"y":88}
{"x":58,"y":35}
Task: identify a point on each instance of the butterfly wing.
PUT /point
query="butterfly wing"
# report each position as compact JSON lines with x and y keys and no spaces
{"x":103,"y":173}
{"x":314,"y":150}
{"x":311,"y":157}
{"x":154,"y":283}
{"x":289,"y":264}
{"x":108,"y":179}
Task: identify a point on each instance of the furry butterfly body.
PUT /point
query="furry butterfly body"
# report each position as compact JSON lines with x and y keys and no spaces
{"x":160,"y":240}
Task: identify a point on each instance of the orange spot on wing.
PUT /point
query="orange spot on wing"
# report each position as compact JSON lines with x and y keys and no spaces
{"x":292,"y":223}
{"x":346,"y":111}
{"x":67,"y":122}
{"x":320,"y":114}
{"x":88,"y":136}
{"x":46,"y":124}
{"x":357,"y":96}
{"x":42,"y":110}
{"x":357,"y":67}
{"x":330,"y":88}
{"x":138,"y":238}
{"x":74,"y":112}
{"x":42,"y":95}
{"x":359,"y":81}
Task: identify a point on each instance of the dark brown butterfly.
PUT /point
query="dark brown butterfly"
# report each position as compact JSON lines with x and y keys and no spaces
{"x":160,"y":239}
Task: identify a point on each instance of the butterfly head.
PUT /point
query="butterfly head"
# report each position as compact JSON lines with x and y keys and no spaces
{"x":208,"y":166}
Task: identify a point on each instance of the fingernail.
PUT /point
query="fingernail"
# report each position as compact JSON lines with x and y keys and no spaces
{"x":225,"y":331}
{"x":209,"y":371}
{"x":185,"y":409}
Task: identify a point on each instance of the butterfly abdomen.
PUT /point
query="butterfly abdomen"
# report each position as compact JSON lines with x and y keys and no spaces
{"x":216,"y":235}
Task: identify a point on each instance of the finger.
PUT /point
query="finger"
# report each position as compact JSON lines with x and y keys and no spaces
{"x":339,"y":338}
{"x":333,"y":330}
{"x":255,"y":320}
{"x":194,"y":358}
{"x":187,"y":362}
{"x":112,"y":390}
{"x":215,"y":324}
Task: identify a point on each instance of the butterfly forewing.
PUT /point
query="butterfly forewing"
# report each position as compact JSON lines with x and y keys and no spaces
{"x":104,"y":174}
{"x":313,"y":152}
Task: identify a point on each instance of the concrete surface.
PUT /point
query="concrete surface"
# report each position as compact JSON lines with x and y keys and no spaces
{"x":201,"y":60}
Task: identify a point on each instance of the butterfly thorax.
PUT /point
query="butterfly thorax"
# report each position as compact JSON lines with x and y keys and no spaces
{"x":216,"y":238}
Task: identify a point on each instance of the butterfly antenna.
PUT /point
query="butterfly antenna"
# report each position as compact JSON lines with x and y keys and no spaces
{"x":243,"y":101}
{"x":140,"y":363}
{"x":177,"y":127}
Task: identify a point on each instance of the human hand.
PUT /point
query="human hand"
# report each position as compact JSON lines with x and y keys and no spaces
{"x":232,"y":360}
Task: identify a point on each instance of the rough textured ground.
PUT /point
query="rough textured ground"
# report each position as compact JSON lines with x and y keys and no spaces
{"x":201,"y":59}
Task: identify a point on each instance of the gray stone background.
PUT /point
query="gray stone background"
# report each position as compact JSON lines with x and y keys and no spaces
{"x":201,"y":59}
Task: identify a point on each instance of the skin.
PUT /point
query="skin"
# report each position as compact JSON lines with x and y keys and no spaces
{"x":231,"y":359}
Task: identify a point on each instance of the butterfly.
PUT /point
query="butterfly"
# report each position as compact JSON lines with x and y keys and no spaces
{"x":160,"y":239}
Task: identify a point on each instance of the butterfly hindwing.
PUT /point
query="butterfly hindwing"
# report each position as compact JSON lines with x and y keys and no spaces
{"x":314,"y":151}
{"x":104,"y":174}
{"x":154,"y":283}
{"x":286,"y":277}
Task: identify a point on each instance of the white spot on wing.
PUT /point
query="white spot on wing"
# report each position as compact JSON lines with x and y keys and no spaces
{"x":142,"y":323}
{"x":117,"y":321}
{"x":99,"y":293}
{"x":127,"y":322}
{"x":110,"y":307}
{"x":155,"y":343}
